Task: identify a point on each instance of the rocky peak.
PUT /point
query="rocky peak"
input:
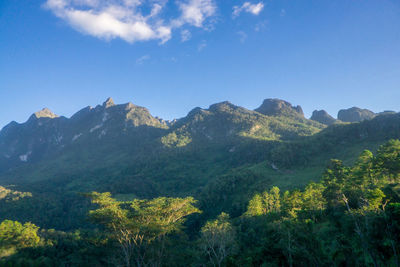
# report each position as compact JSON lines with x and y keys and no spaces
{"x":109,"y":103}
{"x":222,"y":106}
{"x":44,"y":113}
{"x":323,"y":117}
{"x":355,"y":114}
{"x":129,"y":106}
{"x":275,"y":107}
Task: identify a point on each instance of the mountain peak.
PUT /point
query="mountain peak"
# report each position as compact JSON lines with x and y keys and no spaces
{"x":323,"y":117}
{"x":274,"y":107}
{"x":108,"y":103}
{"x":355,"y":114}
{"x":221,"y":106}
{"x":44,"y":113}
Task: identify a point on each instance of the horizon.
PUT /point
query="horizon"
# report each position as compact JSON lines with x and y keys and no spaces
{"x":319,"y":55}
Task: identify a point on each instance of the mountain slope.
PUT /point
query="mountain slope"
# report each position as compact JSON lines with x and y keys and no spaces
{"x":46,"y":135}
{"x":222,"y":154}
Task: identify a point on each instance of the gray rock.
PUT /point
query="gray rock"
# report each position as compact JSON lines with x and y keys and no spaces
{"x":323,"y":117}
{"x":277,"y":107}
{"x":355,"y":114}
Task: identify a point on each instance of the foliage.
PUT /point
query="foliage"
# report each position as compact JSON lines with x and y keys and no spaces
{"x":141,"y":226}
{"x":14,"y":235}
{"x":267,"y":172}
{"x":347,"y":218}
{"x":218,"y":239}
{"x":8,"y":195}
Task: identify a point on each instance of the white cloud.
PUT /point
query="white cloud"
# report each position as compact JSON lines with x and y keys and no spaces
{"x":248,"y":7}
{"x":185,"y":35}
{"x":125,"y":19}
{"x":195,"y":12}
{"x":142,"y":59}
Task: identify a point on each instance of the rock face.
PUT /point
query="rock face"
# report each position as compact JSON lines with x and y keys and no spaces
{"x":355,"y":114}
{"x":323,"y":117}
{"x":109,"y":103}
{"x":44,"y":113}
{"x":277,"y":107}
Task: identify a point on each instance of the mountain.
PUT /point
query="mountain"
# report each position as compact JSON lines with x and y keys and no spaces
{"x":46,"y":134}
{"x":355,"y":114}
{"x":220,"y":155}
{"x":274,"y":107}
{"x":323,"y":117}
{"x":224,"y":121}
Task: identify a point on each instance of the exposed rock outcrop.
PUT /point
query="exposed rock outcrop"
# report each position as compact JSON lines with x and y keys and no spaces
{"x":323,"y":117}
{"x":355,"y":114}
{"x":44,"y":113}
{"x":277,"y":107}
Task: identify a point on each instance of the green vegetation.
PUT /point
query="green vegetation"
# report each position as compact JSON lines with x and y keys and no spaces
{"x":10,"y":195}
{"x":222,"y":186}
{"x":351,"y":216}
{"x":14,"y":235}
{"x":141,"y":227}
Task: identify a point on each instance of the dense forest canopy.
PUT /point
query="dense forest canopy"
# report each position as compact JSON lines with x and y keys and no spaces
{"x":350,"y":217}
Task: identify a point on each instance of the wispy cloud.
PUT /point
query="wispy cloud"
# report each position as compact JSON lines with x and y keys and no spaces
{"x":185,"y":35}
{"x":261,"y":26}
{"x":202,"y":45}
{"x":248,"y":7}
{"x":242,"y":36}
{"x":125,"y":19}
{"x":142,"y":59}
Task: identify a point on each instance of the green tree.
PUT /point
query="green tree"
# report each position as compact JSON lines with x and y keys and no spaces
{"x":267,"y":202}
{"x":314,"y":202}
{"x":334,"y":179}
{"x":13,"y":234}
{"x":255,"y":207}
{"x":387,"y":161}
{"x":363,"y":171}
{"x":218,"y":239}
{"x":141,"y":226}
{"x":292,"y":203}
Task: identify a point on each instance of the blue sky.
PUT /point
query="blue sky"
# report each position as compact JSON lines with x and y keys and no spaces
{"x":173,"y":55}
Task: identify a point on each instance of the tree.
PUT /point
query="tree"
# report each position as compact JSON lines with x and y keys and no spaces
{"x":140,"y":226}
{"x":13,"y":234}
{"x":313,"y":201}
{"x":218,"y":238}
{"x":267,"y":202}
{"x":272,"y":202}
{"x":363,"y":172}
{"x":292,"y":203}
{"x":334,"y":179}
{"x":255,"y":207}
{"x":387,"y":161}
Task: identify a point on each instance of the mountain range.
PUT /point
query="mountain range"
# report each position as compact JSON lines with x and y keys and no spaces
{"x":46,"y":133}
{"x":222,"y":154}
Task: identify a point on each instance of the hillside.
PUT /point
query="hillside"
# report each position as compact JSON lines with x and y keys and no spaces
{"x":252,"y":179}
{"x":222,"y":154}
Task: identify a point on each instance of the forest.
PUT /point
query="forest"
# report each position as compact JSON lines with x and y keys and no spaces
{"x":348,"y":217}
{"x":199,"y":133}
